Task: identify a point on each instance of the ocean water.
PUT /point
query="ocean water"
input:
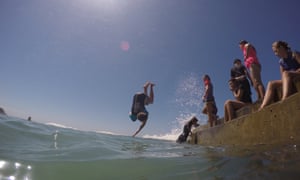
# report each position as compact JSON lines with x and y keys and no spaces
{"x":30,"y":150}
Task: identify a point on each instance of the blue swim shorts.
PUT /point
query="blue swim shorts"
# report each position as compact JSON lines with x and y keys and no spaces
{"x":132,"y":117}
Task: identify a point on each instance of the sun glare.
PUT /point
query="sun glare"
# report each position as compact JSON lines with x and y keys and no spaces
{"x":102,"y":3}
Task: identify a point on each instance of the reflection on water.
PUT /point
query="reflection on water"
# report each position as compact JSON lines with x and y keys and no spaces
{"x":85,"y":155}
{"x":14,"y":171}
{"x":259,"y":162}
{"x":135,"y":147}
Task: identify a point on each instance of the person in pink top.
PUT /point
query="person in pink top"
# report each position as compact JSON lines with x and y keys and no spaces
{"x":252,"y":63}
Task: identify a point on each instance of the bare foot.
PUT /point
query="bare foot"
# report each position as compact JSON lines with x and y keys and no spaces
{"x":147,"y":84}
{"x":260,"y":108}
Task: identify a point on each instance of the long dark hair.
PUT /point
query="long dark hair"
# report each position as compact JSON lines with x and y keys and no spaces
{"x":283,"y":44}
{"x":243,"y":42}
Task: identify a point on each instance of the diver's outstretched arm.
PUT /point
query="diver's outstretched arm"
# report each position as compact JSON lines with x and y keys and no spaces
{"x":141,"y":127}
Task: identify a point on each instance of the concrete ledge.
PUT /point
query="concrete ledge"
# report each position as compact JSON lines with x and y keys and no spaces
{"x":297,"y":83}
{"x":278,"y":123}
{"x":254,"y":107}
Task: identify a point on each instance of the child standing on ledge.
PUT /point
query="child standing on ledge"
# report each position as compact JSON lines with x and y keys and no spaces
{"x":252,"y":63}
{"x":210,"y":107}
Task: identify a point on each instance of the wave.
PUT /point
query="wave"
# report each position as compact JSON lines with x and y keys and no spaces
{"x":30,"y":150}
{"x":69,"y":127}
{"x":170,"y":137}
{"x":175,"y":132}
{"x":107,"y":132}
{"x":60,"y":125}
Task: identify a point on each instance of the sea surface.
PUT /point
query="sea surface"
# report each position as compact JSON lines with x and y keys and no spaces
{"x":30,"y":150}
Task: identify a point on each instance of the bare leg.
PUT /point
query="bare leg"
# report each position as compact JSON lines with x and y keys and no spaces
{"x":255,"y":74}
{"x":261,"y":91}
{"x":272,"y":85}
{"x":232,"y":106}
{"x":257,"y":91}
{"x":226,"y":111}
{"x":204,"y":110}
{"x":146,"y":85}
{"x":141,"y":127}
{"x":151,"y":97}
{"x":211,"y":116}
{"x":287,"y":83}
{"x":231,"y":112}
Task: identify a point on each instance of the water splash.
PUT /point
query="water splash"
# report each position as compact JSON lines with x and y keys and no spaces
{"x":189,"y":98}
{"x":188,"y":101}
{"x":189,"y":92}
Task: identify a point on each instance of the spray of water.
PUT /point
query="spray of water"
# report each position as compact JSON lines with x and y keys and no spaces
{"x":188,"y":100}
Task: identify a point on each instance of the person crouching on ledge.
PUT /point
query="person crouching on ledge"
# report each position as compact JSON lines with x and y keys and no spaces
{"x":187,"y":130}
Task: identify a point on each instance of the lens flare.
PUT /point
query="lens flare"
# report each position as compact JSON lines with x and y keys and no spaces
{"x":124,"y":45}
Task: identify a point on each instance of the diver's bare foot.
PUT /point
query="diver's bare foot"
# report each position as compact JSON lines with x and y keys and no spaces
{"x":147,"y":84}
{"x":152,"y":84}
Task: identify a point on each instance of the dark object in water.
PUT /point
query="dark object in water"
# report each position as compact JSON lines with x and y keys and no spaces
{"x":2,"y":111}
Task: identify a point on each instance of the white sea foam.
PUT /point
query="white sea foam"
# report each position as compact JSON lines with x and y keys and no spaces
{"x":172,"y":136}
{"x":107,"y":132}
{"x":60,"y":125}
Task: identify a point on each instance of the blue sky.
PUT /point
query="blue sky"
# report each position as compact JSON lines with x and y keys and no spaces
{"x":62,"y":60}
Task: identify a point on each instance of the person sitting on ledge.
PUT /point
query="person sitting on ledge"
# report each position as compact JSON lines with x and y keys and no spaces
{"x":289,"y":67}
{"x":242,"y":94}
{"x":240,"y":72}
{"x":187,"y":130}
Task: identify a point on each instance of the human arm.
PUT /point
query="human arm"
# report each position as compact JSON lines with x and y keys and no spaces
{"x":204,"y":97}
{"x":140,"y":128}
{"x":232,"y":73}
{"x":248,"y":76}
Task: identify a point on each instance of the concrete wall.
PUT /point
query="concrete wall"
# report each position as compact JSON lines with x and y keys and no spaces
{"x":278,"y":123}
